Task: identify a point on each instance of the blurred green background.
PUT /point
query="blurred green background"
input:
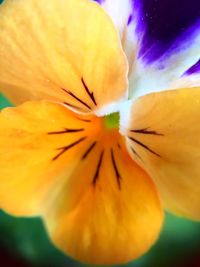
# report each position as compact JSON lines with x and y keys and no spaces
{"x":24,"y":243}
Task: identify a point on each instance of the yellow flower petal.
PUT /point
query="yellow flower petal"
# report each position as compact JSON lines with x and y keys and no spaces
{"x":163,"y":134}
{"x":99,"y":206}
{"x":32,"y":137}
{"x":67,"y":51}
{"x":117,"y":216}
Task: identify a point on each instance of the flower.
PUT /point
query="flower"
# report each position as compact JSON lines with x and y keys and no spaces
{"x":99,"y":183}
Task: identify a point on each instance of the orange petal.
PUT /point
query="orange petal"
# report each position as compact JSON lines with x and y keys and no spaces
{"x":32,"y":137}
{"x":115,"y":213}
{"x":99,"y":206}
{"x":67,"y":51}
{"x":163,"y":135}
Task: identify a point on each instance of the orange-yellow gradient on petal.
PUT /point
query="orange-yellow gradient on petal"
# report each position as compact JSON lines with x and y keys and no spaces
{"x":67,"y":51}
{"x":163,"y":136}
{"x":99,"y":206}
{"x":38,"y":141}
{"x":116,"y":214}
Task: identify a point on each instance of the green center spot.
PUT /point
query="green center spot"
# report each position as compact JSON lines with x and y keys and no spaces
{"x":112,"y":120}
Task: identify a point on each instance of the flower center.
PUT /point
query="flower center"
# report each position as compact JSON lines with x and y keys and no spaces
{"x":112,"y":121}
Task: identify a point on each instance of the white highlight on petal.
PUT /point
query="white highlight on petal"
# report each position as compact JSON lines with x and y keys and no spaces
{"x":109,"y":108}
{"x":125,"y":116}
{"x":167,"y":71}
{"x":187,"y":81}
{"x":120,"y":11}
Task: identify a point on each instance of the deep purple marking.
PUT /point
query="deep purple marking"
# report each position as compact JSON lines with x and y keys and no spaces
{"x":130,"y":18}
{"x":162,"y":26}
{"x":169,"y":24}
{"x":100,"y":1}
{"x":194,"y":69}
{"x":138,"y":13}
{"x":153,"y":50}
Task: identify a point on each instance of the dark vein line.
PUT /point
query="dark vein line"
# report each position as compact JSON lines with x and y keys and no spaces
{"x":96,"y":175}
{"x":135,"y":152}
{"x":65,"y":148}
{"x":91,"y":95}
{"x":89,"y":150}
{"x":83,"y":120}
{"x":77,"y":98}
{"x":119,"y":146}
{"x":144,"y":146}
{"x":66,"y":130}
{"x":118,"y":176}
{"x":146,"y":131}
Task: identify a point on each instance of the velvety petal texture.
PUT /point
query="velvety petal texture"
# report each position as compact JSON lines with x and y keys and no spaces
{"x":33,"y":137}
{"x":56,"y":50}
{"x":162,"y":132}
{"x":99,"y":205}
{"x":115,"y":215}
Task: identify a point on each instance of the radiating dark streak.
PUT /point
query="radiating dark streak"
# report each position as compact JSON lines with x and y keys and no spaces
{"x":118,"y":176}
{"x":83,"y":120}
{"x":144,"y":146}
{"x":91,"y":95}
{"x":96,"y":175}
{"x":146,"y":131}
{"x":66,"y":131}
{"x":77,"y":98}
{"x":134,"y":152}
{"x":118,"y":144}
{"x":65,"y":148}
{"x":89,"y":150}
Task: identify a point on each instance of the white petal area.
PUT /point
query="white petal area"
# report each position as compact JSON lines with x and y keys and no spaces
{"x":119,"y":11}
{"x":125,"y":118}
{"x":187,"y":81}
{"x":167,"y":72}
{"x":125,"y":16}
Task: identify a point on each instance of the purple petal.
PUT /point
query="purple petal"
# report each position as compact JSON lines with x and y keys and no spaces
{"x":166,"y":21}
{"x":163,"y":25}
{"x":99,"y":1}
{"x":138,"y":11}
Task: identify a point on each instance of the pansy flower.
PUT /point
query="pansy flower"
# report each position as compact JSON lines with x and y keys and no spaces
{"x":97,"y":158}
